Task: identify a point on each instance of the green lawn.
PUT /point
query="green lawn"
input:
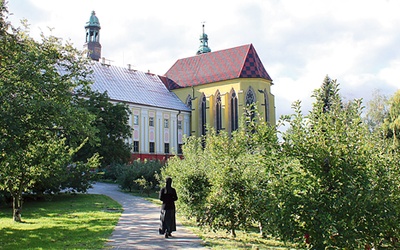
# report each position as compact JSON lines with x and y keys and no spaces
{"x":66,"y":222}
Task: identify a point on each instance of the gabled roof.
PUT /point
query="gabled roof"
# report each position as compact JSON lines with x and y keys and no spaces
{"x":133,"y":86}
{"x":238,"y":62}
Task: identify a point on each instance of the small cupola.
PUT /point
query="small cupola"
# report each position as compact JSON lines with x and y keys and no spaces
{"x":203,"y":44}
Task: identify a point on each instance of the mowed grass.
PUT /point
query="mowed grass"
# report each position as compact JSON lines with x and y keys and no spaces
{"x":67,"y":221}
{"x":222,"y":240}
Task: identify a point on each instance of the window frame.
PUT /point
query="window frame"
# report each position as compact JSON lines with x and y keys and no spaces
{"x":151,"y":121}
{"x":166,"y":148}
{"x":135,"y":147}
{"x":152,"y":147}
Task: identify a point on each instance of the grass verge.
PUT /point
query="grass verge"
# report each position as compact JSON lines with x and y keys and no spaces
{"x":79,"y":221}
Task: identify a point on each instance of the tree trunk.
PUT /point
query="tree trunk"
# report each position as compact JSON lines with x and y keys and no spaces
{"x":260,"y":226}
{"x":233,"y":233}
{"x":17,"y":207}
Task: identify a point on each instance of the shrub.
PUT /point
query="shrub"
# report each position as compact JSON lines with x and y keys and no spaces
{"x":126,"y":175}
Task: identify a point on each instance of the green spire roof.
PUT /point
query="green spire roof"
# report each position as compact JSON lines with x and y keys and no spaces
{"x":203,"y":44}
{"x":93,"y":21}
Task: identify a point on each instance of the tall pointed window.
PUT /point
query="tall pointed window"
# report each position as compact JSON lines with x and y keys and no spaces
{"x":203,"y":114}
{"x":250,"y":102}
{"x":233,"y":111}
{"x":266,"y":99}
{"x":218,"y":112}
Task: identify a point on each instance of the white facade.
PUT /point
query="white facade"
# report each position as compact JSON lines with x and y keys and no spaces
{"x":159,"y":126}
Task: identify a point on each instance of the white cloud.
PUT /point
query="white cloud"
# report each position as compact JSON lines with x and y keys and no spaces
{"x":391,"y":74}
{"x":299,"y":42}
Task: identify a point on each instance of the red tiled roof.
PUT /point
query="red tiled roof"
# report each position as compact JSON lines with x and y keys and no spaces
{"x":238,"y":62}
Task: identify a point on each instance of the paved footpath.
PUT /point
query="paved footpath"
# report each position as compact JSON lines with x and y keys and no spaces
{"x":137,"y":227}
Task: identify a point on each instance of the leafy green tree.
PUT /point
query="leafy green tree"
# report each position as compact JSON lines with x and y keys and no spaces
{"x":224,"y":184}
{"x":376,"y":111}
{"x":392,"y":122}
{"x":347,"y":189}
{"x":113,"y":130}
{"x":39,"y":108}
{"x":190,"y":178}
{"x":328,"y":94}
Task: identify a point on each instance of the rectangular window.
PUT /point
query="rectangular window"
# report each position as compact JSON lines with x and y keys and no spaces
{"x":135,"y":120}
{"x":152,"y":147}
{"x":151,"y":121}
{"x":180,"y":149}
{"x":166,"y":123}
{"x":179,"y":124}
{"x":166,"y":148}
{"x":135,"y":146}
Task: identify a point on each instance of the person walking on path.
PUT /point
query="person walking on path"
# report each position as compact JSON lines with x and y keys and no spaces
{"x":137,"y":227}
{"x":167,"y":218}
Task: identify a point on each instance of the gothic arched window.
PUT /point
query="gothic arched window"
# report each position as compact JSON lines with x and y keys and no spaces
{"x":250,"y":102}
{"x":266,"y":99}
{"x":202,"y":110}
{"x":218,"y":112}
{"x":233,"y":111}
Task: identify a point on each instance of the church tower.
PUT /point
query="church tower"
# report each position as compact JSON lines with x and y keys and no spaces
{"x":92,"y":43}
{"x":203,"y":44}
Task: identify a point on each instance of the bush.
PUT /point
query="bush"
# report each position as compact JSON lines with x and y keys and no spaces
{"x":76,"y":177}
{"x":127,"y":175}
{"x":111,"y":172}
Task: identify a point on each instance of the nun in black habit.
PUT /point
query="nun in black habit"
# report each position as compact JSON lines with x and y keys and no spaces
{"x":167,"y":218}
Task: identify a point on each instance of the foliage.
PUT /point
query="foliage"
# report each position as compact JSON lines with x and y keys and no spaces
{"x":127,"y":174}
{"x":38,"y":108}
{"x":113,"y":130}
{"x":144,"y":185}
{"x":192,"y":184}
{"x":376,"y":111}
{"x":223,"y":185}
{"x":348,"y":185}
{"x":327,"y":95}
{"x":66,"y":222}
{"x":331,"y":183}
{"x":76,"y":177}
{"x":391,"y":124}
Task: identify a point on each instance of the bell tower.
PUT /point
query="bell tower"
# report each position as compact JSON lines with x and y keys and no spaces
{"x":92,"y":42}
{"x":203,"y":44}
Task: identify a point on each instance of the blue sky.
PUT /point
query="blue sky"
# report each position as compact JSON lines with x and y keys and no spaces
{"x":298,"y":41}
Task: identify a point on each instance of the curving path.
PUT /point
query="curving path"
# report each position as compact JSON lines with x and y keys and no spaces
{"x":137,"y":227}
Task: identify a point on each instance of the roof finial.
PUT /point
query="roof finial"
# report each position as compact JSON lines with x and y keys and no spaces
{"x":203,"y":43}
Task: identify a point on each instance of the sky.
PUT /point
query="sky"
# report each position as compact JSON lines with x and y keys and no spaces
{"x":299,"y":42}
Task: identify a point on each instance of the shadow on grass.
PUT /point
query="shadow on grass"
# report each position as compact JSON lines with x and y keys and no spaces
{"x":66,"y":222}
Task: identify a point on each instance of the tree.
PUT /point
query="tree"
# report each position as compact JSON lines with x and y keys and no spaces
{"x":328,"y":94}
{"x":391,"y":124}
{"x":376,"y":111}
{"x":225,"y":185}
{"x":39,"y":108}
{"x":113,"y":130}
{"x":348,"y":184}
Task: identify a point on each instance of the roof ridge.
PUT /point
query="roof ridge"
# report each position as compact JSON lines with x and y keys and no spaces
{"x":244,"y":59}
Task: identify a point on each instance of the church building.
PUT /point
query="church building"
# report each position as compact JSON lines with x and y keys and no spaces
{"x":207,"y":89}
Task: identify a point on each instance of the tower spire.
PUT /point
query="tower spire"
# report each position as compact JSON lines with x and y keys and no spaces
{"x":92,"y":42}
{"x":203,"y":43}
